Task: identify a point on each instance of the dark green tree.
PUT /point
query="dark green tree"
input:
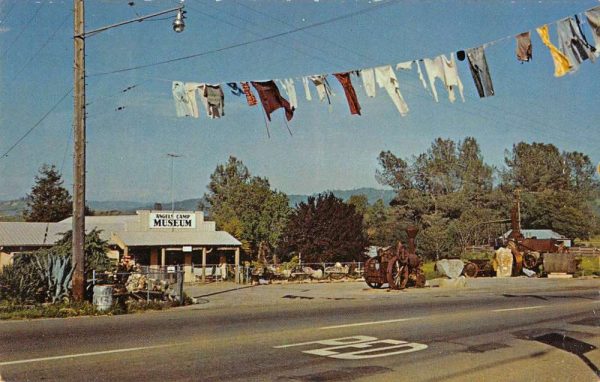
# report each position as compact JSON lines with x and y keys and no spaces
{"x":558,"y":189}
{"x":48,"y":201}
{"x":246,"y":206}
{"x":324,"y":229}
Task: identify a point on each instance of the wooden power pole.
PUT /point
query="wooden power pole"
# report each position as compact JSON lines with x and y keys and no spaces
{"x":78,"y":258}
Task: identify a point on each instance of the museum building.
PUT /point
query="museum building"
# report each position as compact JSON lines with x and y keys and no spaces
{"x":149,"y":238}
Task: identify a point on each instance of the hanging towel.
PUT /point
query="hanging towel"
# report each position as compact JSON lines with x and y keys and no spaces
{"x":183,"y":106}
{"x":235,"y":89}
{"x":561,"y":62}
{"x":386,"y":78}
{"x":191,"y":89}
{"x":368,"y":78}
{"x":593,"y":18}
{"x":306,"y":88}
{"x":479,"y":70}
{"x":346,"y":82}
{"x":323,"y":88}
{"x":216,"y":100}
{"x":572,"y":43}
{"x":250,"y":98}
{"x":271,"y":99}
{"x":290,"y":89}
{"x":524,"y":48}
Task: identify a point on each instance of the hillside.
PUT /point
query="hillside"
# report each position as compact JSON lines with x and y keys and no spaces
{"x":12,"y":209}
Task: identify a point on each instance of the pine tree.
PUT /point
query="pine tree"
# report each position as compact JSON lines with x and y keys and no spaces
{"x":48,"y":201}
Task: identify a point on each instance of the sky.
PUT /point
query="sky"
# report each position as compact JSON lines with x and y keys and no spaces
{"x":129,"y":133}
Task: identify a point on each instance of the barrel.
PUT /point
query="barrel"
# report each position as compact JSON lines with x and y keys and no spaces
{"x":102,"y":297}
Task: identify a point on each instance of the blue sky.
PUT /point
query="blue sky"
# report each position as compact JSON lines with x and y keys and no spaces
{"x":329,"y":149}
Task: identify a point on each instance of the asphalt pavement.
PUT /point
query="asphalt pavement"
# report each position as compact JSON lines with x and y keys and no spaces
{"x":493,"y":330}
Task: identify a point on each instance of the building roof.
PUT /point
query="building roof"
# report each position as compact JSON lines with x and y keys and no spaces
{"x":165,"y":238}
{"x":538,"y":233}
{"x":94,"y":221}
{"x":24,"y":234}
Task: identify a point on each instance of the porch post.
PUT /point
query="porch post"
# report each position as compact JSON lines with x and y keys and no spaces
{"x":203,"y":264}
{"x":237,"y":265}
{"x":163,"y":256}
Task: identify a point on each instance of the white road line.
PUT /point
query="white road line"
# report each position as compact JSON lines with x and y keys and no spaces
{"x":370,"y":323}
{"x":83,"y":354}
{"x":524,"y":308}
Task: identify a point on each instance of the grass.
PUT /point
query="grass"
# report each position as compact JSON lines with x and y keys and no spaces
{"x":589,"y":266}
{"x":16,"y":311}
{"x":428,"y":270}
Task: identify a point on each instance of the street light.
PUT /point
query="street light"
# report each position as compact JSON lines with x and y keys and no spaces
{"x":79,"y":36}
{"x":173,"y":156}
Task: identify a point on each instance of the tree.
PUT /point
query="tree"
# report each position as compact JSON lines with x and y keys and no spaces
{"x":246,"y":206}
{"x":558,"y":189}
{"x":324,"y":229}
{"x":48,"y":201}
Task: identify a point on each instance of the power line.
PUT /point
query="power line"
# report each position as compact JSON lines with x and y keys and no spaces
{"x":245,"y":43}
{"x":67,"y":16}
{"x":25,"y":27}
{"x":5,"y":155}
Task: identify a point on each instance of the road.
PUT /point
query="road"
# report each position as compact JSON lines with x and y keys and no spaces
{"x":299,"y":334}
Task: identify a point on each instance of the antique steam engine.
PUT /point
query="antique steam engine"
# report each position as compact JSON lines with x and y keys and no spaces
{"x":397,"y":268}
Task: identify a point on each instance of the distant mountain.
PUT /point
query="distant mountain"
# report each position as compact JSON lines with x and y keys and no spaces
{"x":14,"y":208}
{"x":372,"y":195}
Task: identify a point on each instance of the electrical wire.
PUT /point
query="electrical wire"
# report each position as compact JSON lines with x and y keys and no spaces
{"x":245,"y":43}
{"x":5,"y":155}
{"x":8,"y":12}
{"x":23,"y":67}
{"x":25,"y":27}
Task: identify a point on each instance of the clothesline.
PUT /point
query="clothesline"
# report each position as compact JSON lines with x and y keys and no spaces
{"x":572,"y":51}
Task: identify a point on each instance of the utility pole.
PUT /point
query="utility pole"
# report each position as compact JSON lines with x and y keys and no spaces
{"x":78,"y":258}
{"x":79,"y":112}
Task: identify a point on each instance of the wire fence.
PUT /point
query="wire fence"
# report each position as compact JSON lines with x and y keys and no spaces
{"x":145,"y":282}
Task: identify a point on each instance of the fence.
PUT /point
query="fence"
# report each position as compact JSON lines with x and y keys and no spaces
{"x":145,"y":282}
{"x":247,"y":274}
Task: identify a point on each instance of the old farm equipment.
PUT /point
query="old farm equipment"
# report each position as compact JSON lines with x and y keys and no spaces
{"x":397,"y":268}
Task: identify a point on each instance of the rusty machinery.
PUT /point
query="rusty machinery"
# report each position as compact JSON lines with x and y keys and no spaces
{"x":397,"y":268}
{"x":527,"y":252}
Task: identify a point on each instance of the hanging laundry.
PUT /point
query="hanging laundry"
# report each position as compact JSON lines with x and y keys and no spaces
{"x":421,"y":77}
{"x":183,"y":107}
{"x":524,"y":48}
{"x":593,"y":19}
{"x":386,"y":78}
{"x":479,"y":70}
{"x":404,"y":65}
{"x":445,"y":69}
{"x":306,"y":88}
{"x":250,"y":98}
{"x":572,"y":43}
{"x":595,"y":53}
{"x":235,"y":89}
{"x":290,"y":89}
{"x":346,"y":82}
{"x":561,"y":62}
{"x":368,"y":78}
{"x":191,"y":88}
{"x":323,"y":88}
{"x":452,"y":78}
{"x":271,"y":99}
{"x":216,"y":100}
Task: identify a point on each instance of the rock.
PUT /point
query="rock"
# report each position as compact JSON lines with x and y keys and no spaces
{"x":450,"y":267}
{"x":459,"y":282}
